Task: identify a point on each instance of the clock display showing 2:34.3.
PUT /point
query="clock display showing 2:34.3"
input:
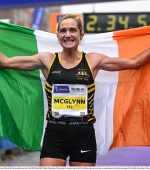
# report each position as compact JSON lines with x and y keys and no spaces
{"x":105,"y":22}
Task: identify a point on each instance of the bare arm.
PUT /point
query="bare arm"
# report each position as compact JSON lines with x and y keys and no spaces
{"x":116,"y":64}
{"x":37,"y":61}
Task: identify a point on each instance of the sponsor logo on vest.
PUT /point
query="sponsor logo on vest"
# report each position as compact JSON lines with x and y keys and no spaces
{"x":82,"y":74}
{"x":61,"y":89}
{"x":56,"y":72}
{"x":77,"y":90}
{"x":84,"y":151}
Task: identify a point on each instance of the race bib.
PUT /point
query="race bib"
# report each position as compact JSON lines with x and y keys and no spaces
{"x":69,"y":100}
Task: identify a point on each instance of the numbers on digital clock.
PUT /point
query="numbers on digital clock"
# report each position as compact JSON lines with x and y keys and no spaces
{"x":124,"y":21}
{"x":91,"y":23}
{"x":142,"y":20}
{"x":113,"y":20}
{"x":100,"y":22}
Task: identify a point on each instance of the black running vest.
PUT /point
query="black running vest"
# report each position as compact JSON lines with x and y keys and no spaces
{"x":80,"y":74}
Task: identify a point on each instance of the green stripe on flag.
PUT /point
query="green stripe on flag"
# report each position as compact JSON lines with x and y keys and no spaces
{"x":21,"y":95}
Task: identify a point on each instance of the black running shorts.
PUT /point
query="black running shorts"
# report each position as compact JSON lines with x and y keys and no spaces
{"x":76,"y":141}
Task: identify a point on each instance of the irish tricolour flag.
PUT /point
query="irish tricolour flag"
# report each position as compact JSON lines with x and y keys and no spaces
{"x":122,"y":100}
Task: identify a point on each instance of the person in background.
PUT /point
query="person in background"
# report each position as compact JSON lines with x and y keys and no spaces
{"x":70,"y":90}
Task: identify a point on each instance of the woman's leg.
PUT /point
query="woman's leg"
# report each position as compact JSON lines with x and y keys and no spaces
{"x":82,"y":164}
{"x":52,"y":162}
{"x":85,"y":151}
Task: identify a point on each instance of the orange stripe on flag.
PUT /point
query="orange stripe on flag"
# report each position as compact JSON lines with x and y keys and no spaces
{"x":130,"y":33}
{"x":132,"y":102}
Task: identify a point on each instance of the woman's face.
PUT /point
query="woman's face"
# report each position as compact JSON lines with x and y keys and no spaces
{"x":69,"y":34}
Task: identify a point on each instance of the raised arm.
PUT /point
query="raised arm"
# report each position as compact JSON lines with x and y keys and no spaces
{"x":20,"y":62}
{"x":38,"y":61}
{"x":104,"y":62}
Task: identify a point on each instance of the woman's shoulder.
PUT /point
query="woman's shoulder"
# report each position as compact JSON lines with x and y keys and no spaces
{"x":94,"y":54}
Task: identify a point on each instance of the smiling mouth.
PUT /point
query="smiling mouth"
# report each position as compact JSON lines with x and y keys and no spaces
{"x":68,"y":40}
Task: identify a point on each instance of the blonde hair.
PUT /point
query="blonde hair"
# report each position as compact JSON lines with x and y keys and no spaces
{"x":76,"y":18}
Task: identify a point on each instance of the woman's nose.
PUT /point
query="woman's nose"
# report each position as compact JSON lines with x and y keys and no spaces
{"x":68,"y":33}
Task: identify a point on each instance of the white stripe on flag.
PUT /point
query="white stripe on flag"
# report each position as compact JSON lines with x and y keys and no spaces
{"x":47,"y":42}
{"x":45,"y":104}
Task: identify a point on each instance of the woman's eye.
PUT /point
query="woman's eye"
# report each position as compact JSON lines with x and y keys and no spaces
{"x":62,"y":30}
{"x":73,"y":30}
